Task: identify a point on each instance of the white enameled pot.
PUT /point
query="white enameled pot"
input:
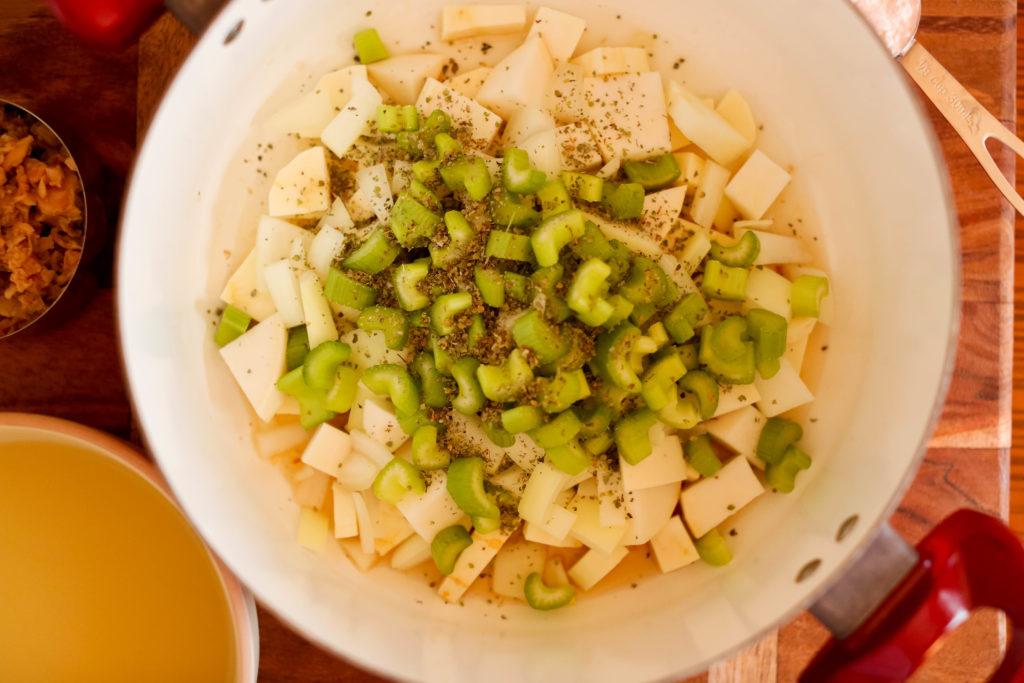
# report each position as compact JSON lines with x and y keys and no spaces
{"x":867,"y":175}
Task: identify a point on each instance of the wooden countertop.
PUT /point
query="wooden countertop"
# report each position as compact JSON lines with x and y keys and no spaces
{"x":105,"y":98}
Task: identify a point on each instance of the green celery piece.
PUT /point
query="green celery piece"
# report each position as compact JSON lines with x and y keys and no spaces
{"x":442,"y":359}
{"x":389,"y":118}
{"x":477,"y":332}
{"x":437,"y":122}
{"x":625,"y":201}
{"x":545,"y":281}
{"x":508,"y":211}
{"x":724,"y":282}
{"x":410,"y":117}
{"x":424,"y":195}
{"x":653,"y":174}
{"x":397,"y":479}
{"x":586,"y":296}
{"x":517,"y":287}
{"x":508,"y":245}
{"x":297,"y":347}
{"x":432,"y":384}
{"x":806,"y":295}
{"x":612,"y":351}
{"x":547,"y":342}
{"x":321,"y":364}
{"x":467,"y":175}
{"x":460,"y":236}
{"x":412,"y":224}
{"x":233,"y":324}
{"x":406,"y":279}
{"x":344,"y":291}
{"x":562,"y":391}
{"x":740,"y":255}
{"x":554,"y":233}
{"x":704,"y":387}
{"x":465,"y":483}
{"x":596,"y":445}
{"x":410,"y":422}
{"x":622,"y":309}
{"x":583,"y":186}
{"x":447,"y":545}
{"x":595,"y":418}
{"x":516,"y":174}
{"x":689,"y":353}
{"x":394,"y":381}
{"x":701,"y":456}
{"x":497,"y":435}
{"x":646,"y":284}
{"x":631,"y":435}
{"x":554,"y":198}
{"x":508,"y":381}
{"x":729,"y":338}
{"x":741,"y":370}
{"x":373,"y":255}
{"x":470,"y":398}
{"x":343,"y":394}
{"x":446,"y":145}
{"x":777,"y":435}
{"x":522,"y":419}
{"x":570,"y":458}
{"x":445,"y":308}
{"x":425,"y":171}
{"x":426,"y":453}
{"x":491,"y":285}
{"x":560,"y":430}
{"x":712,"y":549}
{"x":369,"y":46}
{"x":391,"y":321}
{"x":593,"y":243}
{"x":683,"y":413}
{"x":659,"y":381}
{"x":682,"y":321}
{"x":781,"y":475}
{"x":768,"y":330}
{"x":312,"y":402}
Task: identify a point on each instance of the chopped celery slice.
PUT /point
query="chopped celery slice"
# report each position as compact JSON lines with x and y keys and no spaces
{"x":625,"y":201}
{"x":406,"y":279}
{"x":586,"y":296}
{"x":343,"y":394}
{"x":768,"y":330}
{"x":562,"y":429}
{"x":704,"y":387}
{"x":320,"y":366}
{"x":781,"y":475}
{"x":701,"y":455}
{"x":470,"y":398}
{"x":777,"y":435}
{"x":508,"y":381}
{"x":447,"y":545}
{"x":562,"y":391}
{"x":344,"y":291}
{"x":631,"y":435}
{"x":571,"y":458}
{"x":583,"y":185}
{"x":431,"y":383}
{"x":426,"y":453}
{"x":465,"y":483}
{"x":394,"y":381}
{"x":508,"y":245}
{"x":516,"y":174}
{"x":297,"y":348}
{"x":375,"y":254}
{"x":682,"y":321}
{"x":554,"y":233}
{"x":712,"y":549}
{"x":369,"y":46}
{"x":389,"y":118}
{"x":445,"y":308}
{"x":312,"y":402}
{"x":446,"y":145}
{"x":517,"y":287}
{"x":547,"y":342}
{"x":233,"y":324}
{"x":724,"y":282}
{"x":522,"y":419}
{"x":554,"y":198}
{"x":653,"y":174}
{"x":460,"y":236}
{"x":396,"y":479}
{"x":498,"y":436}
{"x":806,"y":295}
{"x":509,"y":211}
{"x":412,"y":223}
{"x":491,"y":285}
{"x":742,"y":254}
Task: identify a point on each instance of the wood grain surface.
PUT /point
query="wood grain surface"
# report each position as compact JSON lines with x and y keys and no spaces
{"x":72,"y":370}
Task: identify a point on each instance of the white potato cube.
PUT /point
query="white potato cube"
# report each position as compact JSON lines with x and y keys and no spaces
{"x":769,"y":290}
{"x":628,"y":235}
{"x":464,"y":21}
{"x":587,"y":527}
{"x":544,"y":151}
{"x":546,"y":482}
{"x":673,"y":548}
{"x":364,"y":522}
{"x":388,"y":525}
{"x":306,"y":116}
{"x":469,"y":82}
{"x":411,"y":552}
{"x":561,"y":32}
{"x":471,"y":563}
{"x":536,"y":534}
{"x":354,"y":119}
{"x":609,"y":170}
{"x":627,"y":115}
{"x":513,"y":479}
{"x":401,"y":176}
{"x":784,"y":391}
{"x":354,"y":551}
{"x":708,"y":197}
{"x":691,"y":169}
{"x":338,"y":85}
{"x":695,"y":248}
{"x":647,"y":510}
{"x":309,"y":486}
{"x":381,"y":424}
{"x":357,"y":472}
{"x":277,"y":239}
{"x":370,"y":447}
{"x":566,"y":94}
{"x":734,"y":109}
{"x":661,"y":211}
{"x":369,"y":349}
{"x":326,"y":247}
{"x":524,"y":123}
{"x":302,"y":186}
{"x":610,"y":495}
{"x":665,"y":465}
{"x":557,"y":522}
{"x":358,"y":206}
{"x":740,"y":431}
{"x":756,"y":185}
{"x":595,"y":565}
{"x":345,"y":523}
{"x":373,"y":182}
{"x":676,"y":137}
{"x":481,"y":123}
{"x":518,"y":80}
{"x":316,"y":311}
{"x":433,"y":510}
{"x":402,"y":76}
{"x":312,"y":533}
{"x":257,"y":360}
{"x":282,"y":283}
{"x":279,"y":439}
{"x":712,"y":500}
{"x":513,"y":563}
{"x":735,"y":396}
{"x":243,"y":290}
{"x":797,"y":335}
{"x":327,"y":449}
{"x":609,"y":61}
{"x":704,"y":126}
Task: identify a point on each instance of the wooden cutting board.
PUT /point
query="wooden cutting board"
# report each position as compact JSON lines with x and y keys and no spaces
{"x":73,"y":370}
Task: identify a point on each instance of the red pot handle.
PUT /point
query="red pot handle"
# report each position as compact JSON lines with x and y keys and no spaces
{"x":969,"y":560}
{"x":110,"y":23}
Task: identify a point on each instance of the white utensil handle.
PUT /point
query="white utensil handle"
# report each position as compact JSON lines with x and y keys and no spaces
{"x":972,"y":121}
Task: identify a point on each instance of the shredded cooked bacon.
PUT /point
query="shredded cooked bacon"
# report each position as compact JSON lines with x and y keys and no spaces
{"x":41,"y":226}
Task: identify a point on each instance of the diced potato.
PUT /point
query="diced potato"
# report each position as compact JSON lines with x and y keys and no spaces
{"x":482,"y":123}
{"x":695,"y":248}
{"x":310,"y":487}
{"x":524,"y":123}
{"x":609,"y":61}
{"x":345,"y":522}
{"x":740,"y":431}
{"x":583,"y":480}
{"x":756,"y":185}
{"x":726,"y":216}
{"x":595,"y":565}
{"x":561,"y":32}
{"x":735,"y":396}
{"x":432,"y":511}
{"x":610,"y":495}
{"x":315,"y":310}
{"x":665,"y":465}
{"x":708,"y":196}
{"x":464,"y":21}
{"x":609,"y":170}
{"x":358,"y":206}
{"x":326,"y":247}
{"x":286,"y":437}
{"x":282,"y":283}
{"x":302,"y":186}
{"x":306,"y":116}
{"x":577,"y":147}
{"x":388,"y":525}
{"x":587,"y":527}
{"x":513,"y":479}
{"x":370,"y":447}
{"x":566,"y":94}
{"x":467,"y":430}
{"x":557,"y":522}
{"x":704,"y":126}
{"x":402,"y":76}
{"x":628,"y":235}
{"x":734,"y":109}
{"x":519,"y":79}
{"x":275,"y":240}
{"x":712,"y":500}
{"x":769,"y":290}
{"x":673,"y":548}
{"x":373,"y":182}
{"x":784,"y":391}
{"x":628,"y":115}
{"x":533,"y":532}
{"x":676,"y":137}
{"x":677,"y":273}
{"x":312,"y":534}
{"x":691,"y":168}
{"x":647,"y":510}
{"x":546,"y":482}
{"x":354,"y":550}
{"x":513,"y":563}
{"x":401,"y":175}
{"x":381,"y":424}
{"x":357,"y":472}
{"x":469,"y":82}
{"x":471,"y":563}
{"x":243,"y":290}
{"x":661,"y":211}
{"x":545,"y":153}
{"x":796,"y":341}
{"x":338,"y":85}
{"x":369,"y":349}
{"x":354,"y":118}
{"x":327,"y":449}
{"x":411,"y":552}
{"x":364,"y":522}
{"x":257,"y":360}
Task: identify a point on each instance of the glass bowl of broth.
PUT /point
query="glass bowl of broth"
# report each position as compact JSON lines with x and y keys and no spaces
{"x":102,"y":577}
